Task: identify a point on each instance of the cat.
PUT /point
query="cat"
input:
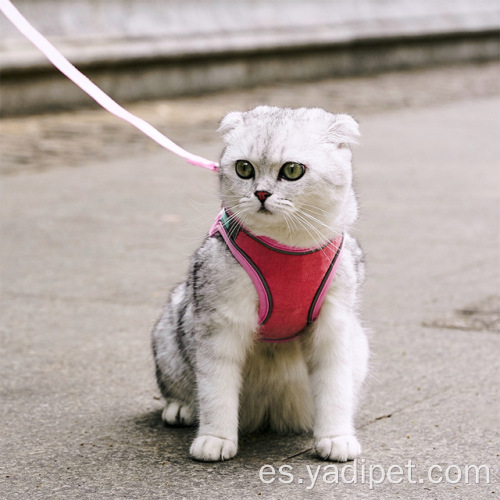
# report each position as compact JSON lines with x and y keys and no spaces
{"x":285,"y":181}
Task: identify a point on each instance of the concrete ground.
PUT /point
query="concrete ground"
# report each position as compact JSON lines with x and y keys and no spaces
{"x":98,"y":224}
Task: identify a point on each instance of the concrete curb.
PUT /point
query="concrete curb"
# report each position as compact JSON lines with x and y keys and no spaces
{"x":177,"y":54}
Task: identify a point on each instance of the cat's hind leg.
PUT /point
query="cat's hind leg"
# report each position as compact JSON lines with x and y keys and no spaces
{"x":174,"y":373}
{"x":177,"y":413}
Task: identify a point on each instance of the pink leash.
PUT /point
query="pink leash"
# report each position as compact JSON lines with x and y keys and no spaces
{"x":90,"y":88}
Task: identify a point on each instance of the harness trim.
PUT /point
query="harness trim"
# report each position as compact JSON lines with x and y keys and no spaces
{"x":324,"y":286}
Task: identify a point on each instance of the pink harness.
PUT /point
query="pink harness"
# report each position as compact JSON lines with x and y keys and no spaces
{"x":291,"y":282}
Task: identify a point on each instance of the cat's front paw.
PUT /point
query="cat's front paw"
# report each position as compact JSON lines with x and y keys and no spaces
{"x":213,"y":449}
{"x":177,"y":413}
{"x":338,"y":448}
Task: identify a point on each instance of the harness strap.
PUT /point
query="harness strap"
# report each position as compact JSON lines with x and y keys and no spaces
{"x":263,"y":292}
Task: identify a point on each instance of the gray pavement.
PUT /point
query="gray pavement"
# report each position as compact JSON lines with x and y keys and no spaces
{"x":91,"y":243}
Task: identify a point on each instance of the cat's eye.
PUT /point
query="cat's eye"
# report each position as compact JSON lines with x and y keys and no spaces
{"x":244,"y":169}
{"x":292,"y":171}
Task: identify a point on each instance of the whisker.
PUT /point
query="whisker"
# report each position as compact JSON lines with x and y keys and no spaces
{"x":320,"y":211}
{"x":294,"y":225}
{"x":335,"y":232}
{"x":238,"y":215}
{"x":315,"y":209}
{"x":287,"y":222}
{"x":318,"y":238}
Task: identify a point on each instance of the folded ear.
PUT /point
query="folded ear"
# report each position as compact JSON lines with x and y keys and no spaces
{"x":230,"y":121}
{"x":344,"y":130}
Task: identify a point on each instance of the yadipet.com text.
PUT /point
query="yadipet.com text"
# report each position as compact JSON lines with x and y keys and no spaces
{"x":360,"y":472}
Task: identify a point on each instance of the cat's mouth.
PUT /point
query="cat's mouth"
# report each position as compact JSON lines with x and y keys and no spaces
{"x":264,"y":210}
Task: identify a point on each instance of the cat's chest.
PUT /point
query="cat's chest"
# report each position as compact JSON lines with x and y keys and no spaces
{"x":234,"y":293}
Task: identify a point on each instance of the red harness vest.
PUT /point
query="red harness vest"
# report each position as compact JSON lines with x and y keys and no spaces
{"x":291,"y":282}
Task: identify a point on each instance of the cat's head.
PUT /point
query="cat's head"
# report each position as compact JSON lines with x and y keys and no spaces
{"x":286,"y":173}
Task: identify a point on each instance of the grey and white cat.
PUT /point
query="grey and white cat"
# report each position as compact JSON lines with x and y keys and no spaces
{"x":211,"y":367}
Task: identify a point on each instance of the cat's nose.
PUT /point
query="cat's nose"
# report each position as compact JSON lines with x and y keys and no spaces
{"x":262,"y":195}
